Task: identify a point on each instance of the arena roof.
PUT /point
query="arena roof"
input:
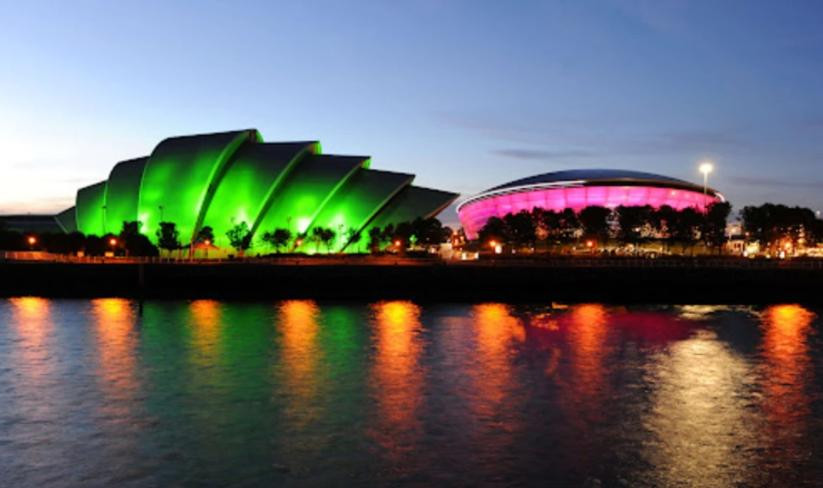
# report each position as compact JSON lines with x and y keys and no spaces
{"x":592,"y":175}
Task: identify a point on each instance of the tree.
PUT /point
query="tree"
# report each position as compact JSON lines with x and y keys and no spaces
{"x":324,"y":236}
{"x":278,"y":238}
{"x":94,"y":245}
{"x":387,"y":234}
{"x":495,"y":229}
{"x":375,"y":239}
{"x":130,"y":228}
{"x":168,"y":236}
{"x":403,"y":233}
{"x":662,"y":219}
{"x":353,"y":237}
{"x":205,"y":235}
{"x":816,"y":232}
{"x":634,"y":222}
{"x":135,"y":243}
{"x":446,"y":234}
{"x":58,"y":243}
{"x":714,"y":228}
{"x":772,"y":225}
{"x":430,"y":231}
{"x":547,"y":226}
{"x":568,"y":225}
{"x":281,"y":238}
{"x":685,"y":226}
{"x":239,"y":237}
{"x":595,"y":223}
{"x":521,"y":228}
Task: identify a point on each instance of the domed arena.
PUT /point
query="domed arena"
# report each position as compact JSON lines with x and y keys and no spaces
{"x":223,"y":179}
{"x":578,"y":189}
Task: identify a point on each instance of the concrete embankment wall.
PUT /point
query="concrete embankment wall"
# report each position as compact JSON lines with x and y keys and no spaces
{"x":427,"y":282}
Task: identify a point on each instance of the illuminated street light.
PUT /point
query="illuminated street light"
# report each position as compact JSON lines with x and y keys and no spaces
{"x":31,"y":240}
{"x":706,"y":167}
{"x":112,"y":242}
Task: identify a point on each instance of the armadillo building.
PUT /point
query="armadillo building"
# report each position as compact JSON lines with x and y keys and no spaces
{"x":223,"y":179}
{"x":578,"y":189}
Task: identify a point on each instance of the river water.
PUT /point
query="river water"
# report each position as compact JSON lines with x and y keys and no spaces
{"x":113,"y":392}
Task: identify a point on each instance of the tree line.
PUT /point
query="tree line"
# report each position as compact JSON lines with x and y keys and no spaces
{"x":599,"y":226}
{"x":773,"y":225}
{"x":131,"y":242}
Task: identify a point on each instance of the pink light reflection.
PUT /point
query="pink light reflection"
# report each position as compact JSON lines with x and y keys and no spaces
{"x":474,"y":215}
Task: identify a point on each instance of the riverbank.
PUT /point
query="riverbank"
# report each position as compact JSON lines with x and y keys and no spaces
{"x":639,"y":281}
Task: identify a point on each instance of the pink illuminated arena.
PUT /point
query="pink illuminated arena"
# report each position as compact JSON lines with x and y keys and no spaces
{"x":579,"y":189}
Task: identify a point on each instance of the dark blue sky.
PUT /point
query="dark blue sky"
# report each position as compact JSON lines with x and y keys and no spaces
{"x":465,"y":94}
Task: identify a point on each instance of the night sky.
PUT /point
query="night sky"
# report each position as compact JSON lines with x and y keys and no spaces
{"x":467,"y":95}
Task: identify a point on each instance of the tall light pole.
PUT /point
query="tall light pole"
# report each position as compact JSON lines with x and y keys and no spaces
{"x":706,"y":167}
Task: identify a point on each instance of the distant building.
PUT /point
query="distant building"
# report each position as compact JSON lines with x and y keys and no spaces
{"x":220,"y":180}
{"x":36,"y":224}
{"x":578,"y":189}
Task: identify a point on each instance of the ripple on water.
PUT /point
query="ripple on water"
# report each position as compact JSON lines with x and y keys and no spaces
{"x":111,"y":392}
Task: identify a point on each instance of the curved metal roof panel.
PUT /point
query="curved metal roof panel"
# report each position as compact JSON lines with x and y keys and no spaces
{"x":590,"y":175}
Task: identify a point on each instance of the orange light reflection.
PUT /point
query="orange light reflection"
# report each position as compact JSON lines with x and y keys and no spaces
{"x":786,"y":374}
{"x":116,"y":344}
{"x":587,"y":336}
{"x":496,"y":332}
{"x":205,"y":315}
{"x":32,"y":354}
{"x":299,"y":328}
{"x":397,"y":375}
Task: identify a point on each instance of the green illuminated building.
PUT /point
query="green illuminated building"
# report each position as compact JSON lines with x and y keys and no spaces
{"x":223,"y":179}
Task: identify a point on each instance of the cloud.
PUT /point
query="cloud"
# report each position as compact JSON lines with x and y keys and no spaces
{"x":681,"y":141}
{"x":492,"y":127}
{"x":610,"y":139}
{"x":542,"y":155}
{"x":775,"y":182}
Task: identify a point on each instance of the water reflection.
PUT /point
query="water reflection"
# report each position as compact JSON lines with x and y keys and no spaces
{"x":395,"y":393}
{"x":298,"y":325}
{"x":587,"y":330}
{"x":32,"y":322}
{"x":496,"y":333}
{"x":205,"y":332}
{"x":786,"y":375}
{"x":114,"y":322}
{"x":398,"y":377}
{"x":33,"y":357}
{"x":701,"y":428}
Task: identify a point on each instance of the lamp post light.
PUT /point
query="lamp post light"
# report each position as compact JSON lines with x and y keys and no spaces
{"x":706,"y":167}
{"x":32,"y":240}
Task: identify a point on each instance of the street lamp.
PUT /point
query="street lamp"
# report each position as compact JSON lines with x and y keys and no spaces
{"x":706,"y":167}
{"x":32,"y":241}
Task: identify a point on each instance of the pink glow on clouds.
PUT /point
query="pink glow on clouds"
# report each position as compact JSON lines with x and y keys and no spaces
{"x":474,"y":215}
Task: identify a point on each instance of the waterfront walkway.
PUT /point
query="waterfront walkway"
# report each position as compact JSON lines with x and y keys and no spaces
{"x":686,"y":262}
